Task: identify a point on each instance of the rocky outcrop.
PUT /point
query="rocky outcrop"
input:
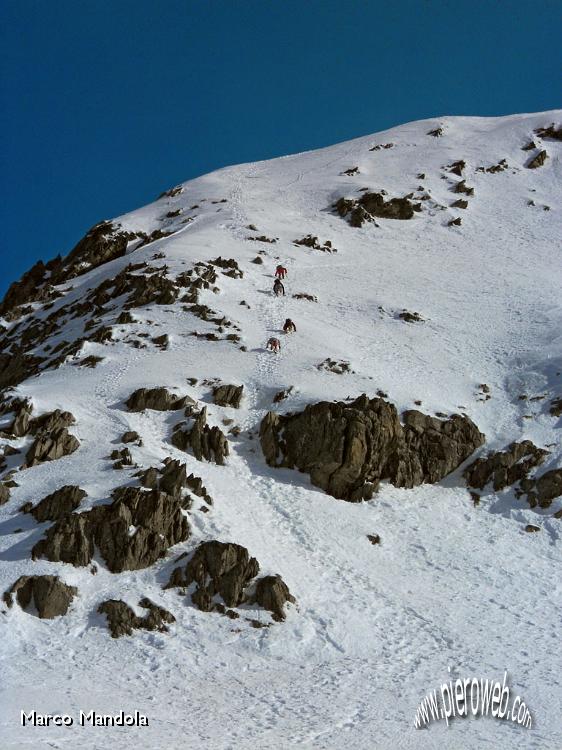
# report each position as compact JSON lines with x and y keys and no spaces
{"x":373,"y":205}
{"x":159,"y":399}
{"x":555,"y":408}
{"x":544,"y":490}
{"x":272,"y":593}
{"x":132,"y":532}
{"x":538,"y":160}
{"x":206,"y":443}
{"x":4,"y":494}
{"x":505,"y":468}
{"x":347,"y":449}
{"x":224,"y":575}
{"x":49,"y":446}
{"x":553,"y":132}
{"x":228,"y":395}
{"x":58,"y":504}
{"x":48,"y":595}
{"x":130,"y":436}
{"x":218,"y":569}
{"x":122,"y":620}
{"x":313,"y":242}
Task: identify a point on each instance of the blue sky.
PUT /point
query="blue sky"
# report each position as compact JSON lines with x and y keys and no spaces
{"x":108,"y":103}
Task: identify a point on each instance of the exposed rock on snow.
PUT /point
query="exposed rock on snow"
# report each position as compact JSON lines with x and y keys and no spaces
{"x":226,"y":570}
{"x":228,"y":395}
{"x":48,"y":594}
{"x":207,"y":443}
{"x":505,"y":468}
{"x":156,"y":518}
{"x":272,"y":593}
{"x":538,"y":160}
{"x":544,"y":490}
{"x":51,"y":445}
{"x":58,"y":504}
{"x":347,"y":449}
{"x":373,"y":205}
{"x":122,"y":620}
{"x":159,"y":399}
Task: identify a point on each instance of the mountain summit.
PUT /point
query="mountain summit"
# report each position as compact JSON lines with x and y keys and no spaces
{"x":290,"y":547}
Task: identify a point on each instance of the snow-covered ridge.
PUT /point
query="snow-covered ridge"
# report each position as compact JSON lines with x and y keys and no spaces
{"x":451,"y":583}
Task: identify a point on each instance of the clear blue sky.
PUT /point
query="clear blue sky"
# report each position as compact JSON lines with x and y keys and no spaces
{"x":106,"y":103}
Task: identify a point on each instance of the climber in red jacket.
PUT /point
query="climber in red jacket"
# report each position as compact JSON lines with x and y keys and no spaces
{"x":280,"y":272}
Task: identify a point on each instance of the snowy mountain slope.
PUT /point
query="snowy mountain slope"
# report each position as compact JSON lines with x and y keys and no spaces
{"x":375,"y":626}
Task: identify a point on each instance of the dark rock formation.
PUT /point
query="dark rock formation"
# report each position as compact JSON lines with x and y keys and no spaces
{"x":258,"y":260}
{"x":505,"y":468}
{"x":156,"y":517}
{"x":219,"y":568}
{"x":455,"y":222}
{"x":207,"y":443}
{"x":159,"y":399}
{"x":272,"y":593}
{"x":313,"y":242}
{"x":550,"y":132}
{"x":4,"y":494}
{"x":224,"y":573}
{"x":58,"y":504}
{"x":410,"y":317}
{"x":462,"y":187}
{"x":122,"y":620}
{"x":544,"y":490}
{"x":130,"y":436}
{"x":437,"y":133}
{"x":51,"y":445}
{"x":457,"y":167}
{"x":538,"y":160}
{"x":228,"y":395}
{"x":460,"y":203}
{"x":49,"y":595}
{"x":556,"y":407}
{"x":347,"y":449}
{"x":373,"y":205}
{"x":531,"y":528}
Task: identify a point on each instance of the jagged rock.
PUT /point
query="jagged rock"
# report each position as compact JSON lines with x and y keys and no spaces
{"x":53,"y":420}
{"x":283,"y":394}
{"x":272,"y":593}
{"x":501,"y":166}
{"x":130,"y":436}
{"x":173,"y":478}
{"x":4,"y":494}
{"x":529,"y":147}
{"x":258,"y":260}
{"x":462,"y":187}
{"x":544,"y":490}
{"x":58,"y":503}
{"x":262,"y":238}
{"x":91,"y":361}
{"x":162,"y":342}
{"x":156,"y":517}
{"x":437,"y":133}
{"x":207,"y":443}
{"x":371,"y":205}
{"x":531,"y":528}
{"x":122,"y":458}
{"x":374,"y":538}
{"x":49,"y":446}
{"x":505,"y":468}
{"x":460,"y":203}
{"x":48,"y":594}
{"x":125,"y":318}
{"x":550,"y":132}
{"x":159,"y":399}
{"x":556,"y":407}
{"x":228,"y":395}
{"x":549,"y":486}
{"x":455,"y":222}
{"x":538,"y":160}
{"x":22,"y":423}
{"x":351,"y":171}
{"x":348,"y":448}
{"x":313,"y":242}
{"x":410,"y":317}
{"x":122,"y":620}
{"x":457,"y":167}
{"x":17,"y":366}
{"x":339,"y":367}
{"x":218,"y":568}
